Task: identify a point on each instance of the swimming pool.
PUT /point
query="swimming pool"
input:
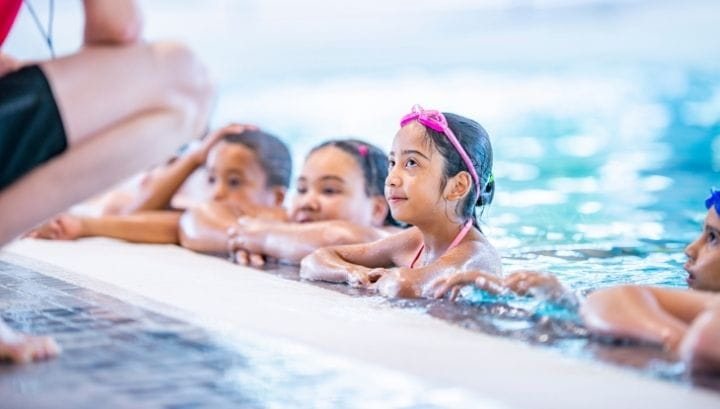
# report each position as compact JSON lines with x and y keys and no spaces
{"x":604,"y":149}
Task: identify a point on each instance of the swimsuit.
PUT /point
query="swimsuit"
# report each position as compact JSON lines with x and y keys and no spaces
{"x":454,"y":243}
{"x":31,"y":129}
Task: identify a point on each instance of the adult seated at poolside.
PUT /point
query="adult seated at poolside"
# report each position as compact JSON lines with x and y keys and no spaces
{"x":338,"y":201}
{"x":59,"y":144}
{"x":440,"y":172}
{"x":115,"y":106}
{"x":248,"y":172}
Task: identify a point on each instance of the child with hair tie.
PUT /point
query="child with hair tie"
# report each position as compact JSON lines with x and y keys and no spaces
{"x":440,"y":172}
{"x":339,"y":200}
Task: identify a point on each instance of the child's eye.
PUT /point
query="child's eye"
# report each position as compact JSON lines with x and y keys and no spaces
{"x":211,"y":180}
{"x":235,"y":182}
{"x":301,"y":190}
{"x":330,"y":191}
{"x":411,"y":163}
{"x":712,"y":237}
{"x":391,"y":163}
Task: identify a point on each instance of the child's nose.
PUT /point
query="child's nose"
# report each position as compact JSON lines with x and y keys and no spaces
{"x":692,"y":249}
{"x":310,"y":202}
{"x":392,"y":179}
{"x":219,"y":192}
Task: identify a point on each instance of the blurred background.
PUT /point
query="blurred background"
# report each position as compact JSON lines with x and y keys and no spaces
{"x":604,"y":114}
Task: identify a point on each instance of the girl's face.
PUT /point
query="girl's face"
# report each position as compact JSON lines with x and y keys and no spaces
{"x":703,"y":265}
{"x":235,"y":175}
{"x":331,"y":186}
{"x":414,"y":183}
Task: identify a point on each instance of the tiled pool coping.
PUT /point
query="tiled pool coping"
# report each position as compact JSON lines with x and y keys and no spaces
{"x":364,"y":329}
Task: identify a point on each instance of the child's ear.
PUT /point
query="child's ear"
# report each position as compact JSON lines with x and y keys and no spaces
{"x":279,"y":193}
{"x":380,"y":210}
{"x":458,"y":186}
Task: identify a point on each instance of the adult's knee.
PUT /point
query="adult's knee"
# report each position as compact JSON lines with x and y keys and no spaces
{"x":185,"y":77}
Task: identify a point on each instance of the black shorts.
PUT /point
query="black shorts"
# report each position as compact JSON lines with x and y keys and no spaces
{"x":31,"y":130}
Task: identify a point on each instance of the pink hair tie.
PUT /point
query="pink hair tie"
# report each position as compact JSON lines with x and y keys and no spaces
{"x":363,"y":150}
{"x":436,"y":121}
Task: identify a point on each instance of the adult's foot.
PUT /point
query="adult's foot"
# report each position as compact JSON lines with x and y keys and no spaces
{"x":22,"y":348}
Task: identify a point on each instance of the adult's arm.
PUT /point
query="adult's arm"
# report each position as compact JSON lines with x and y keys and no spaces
{"x":112,"y":22}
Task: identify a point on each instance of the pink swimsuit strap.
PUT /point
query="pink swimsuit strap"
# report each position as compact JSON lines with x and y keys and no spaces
{"x":455,"y":242}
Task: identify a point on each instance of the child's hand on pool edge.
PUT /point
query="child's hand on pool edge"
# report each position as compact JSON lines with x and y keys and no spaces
{"x":245,"y":258}
{"x":524,"y":282}
{"x":365,"y":277}
{"x":62,"y":227}
{"x":452,"y":284}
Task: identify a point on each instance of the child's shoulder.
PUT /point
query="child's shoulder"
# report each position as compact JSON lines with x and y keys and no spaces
{"x":485,"y":256}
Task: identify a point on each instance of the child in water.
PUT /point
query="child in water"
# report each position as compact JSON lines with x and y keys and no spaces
{"x":440,"y":171}
{"x":248,"y":172}
{"x":339,"y":200}
{"x":685,"y":322}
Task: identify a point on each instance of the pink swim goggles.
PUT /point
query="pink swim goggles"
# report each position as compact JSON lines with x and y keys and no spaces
{"x":436,"y":121}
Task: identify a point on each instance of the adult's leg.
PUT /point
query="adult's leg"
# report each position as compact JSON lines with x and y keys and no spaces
{"x":86,"y":169}
{"x":99,"y":87}
{"x":123,"y":109}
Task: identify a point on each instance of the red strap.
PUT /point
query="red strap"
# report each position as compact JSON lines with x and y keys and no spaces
{"x":8,"y":12}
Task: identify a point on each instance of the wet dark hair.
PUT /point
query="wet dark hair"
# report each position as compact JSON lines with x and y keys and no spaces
{"x":373,"y":162}
{"x":272,"y":153}
{"x":476,"y":142}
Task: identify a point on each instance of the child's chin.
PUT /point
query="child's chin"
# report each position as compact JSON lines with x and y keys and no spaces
{"x":402,"y":217}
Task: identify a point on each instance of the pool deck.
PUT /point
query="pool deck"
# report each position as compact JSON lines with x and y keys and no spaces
{"x":218,"y":295}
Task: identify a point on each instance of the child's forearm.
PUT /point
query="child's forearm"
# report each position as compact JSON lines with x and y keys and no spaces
{"x":163,"y":185}
{"x":291,"y":242}
{"x":632,"y":311}
{"x":325,"y":264}
{"x":205,"y":231}
{"x":147,"y":227}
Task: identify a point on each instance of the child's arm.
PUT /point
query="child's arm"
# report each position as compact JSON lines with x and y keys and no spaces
{"x":162,"y":184}
{"x":521,"y":283}
{"x":360,"y":264}
{"x":409,"y":282}
{"x":144,"y":227}
{"x":207,"y":228}
{"x":292,"y":241}
{"x":647,"y":313}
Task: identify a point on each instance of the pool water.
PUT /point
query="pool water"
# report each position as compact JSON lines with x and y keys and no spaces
{"x":601,"y":176}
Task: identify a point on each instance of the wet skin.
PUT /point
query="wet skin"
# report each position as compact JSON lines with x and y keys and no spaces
{"x":416,"y":195}
{"x":703,"y":265}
